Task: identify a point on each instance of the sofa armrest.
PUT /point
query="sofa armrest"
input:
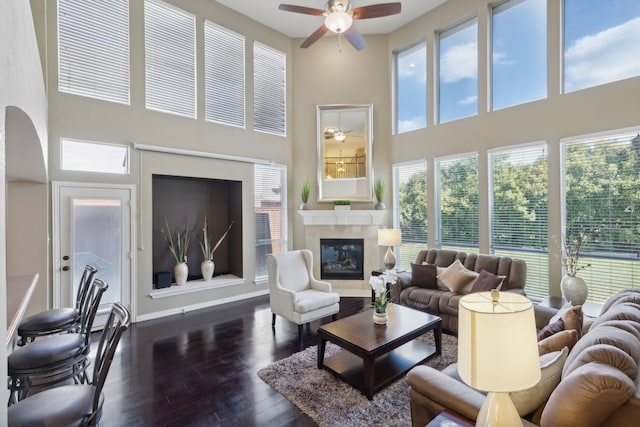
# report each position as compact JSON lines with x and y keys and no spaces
{"x":403,"y":282}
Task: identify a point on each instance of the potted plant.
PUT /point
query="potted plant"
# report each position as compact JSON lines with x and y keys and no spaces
{"x":305,"y":189}
{"x":342,"y":205}
{"x":574,"y":288}
{"x":208,"y":266}
{"x":379,"y":286}
{"x":178,"y":248}
{"x":379,"y":188}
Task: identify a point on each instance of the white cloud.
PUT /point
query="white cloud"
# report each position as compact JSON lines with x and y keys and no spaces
{"x":459,"y":62}
{"x":500,"y":58}
{"x":414,"y":123}
{"x":610,"y":55}
{"x":468,"y":100}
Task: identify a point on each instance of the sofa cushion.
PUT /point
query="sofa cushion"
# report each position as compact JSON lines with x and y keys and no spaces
{"x":627,"y":295}
{"x":456,"y":276}
{"x":551,"y":329}
{"x":555,"y":342}
{"x":619,"y":311}
{"x":606,"y":353}
{"x":424,"y":276}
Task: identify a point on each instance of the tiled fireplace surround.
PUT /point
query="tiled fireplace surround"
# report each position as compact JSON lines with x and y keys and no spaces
{"x":350,"y":224}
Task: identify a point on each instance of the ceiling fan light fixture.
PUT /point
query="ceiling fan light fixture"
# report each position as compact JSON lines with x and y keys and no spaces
{"x":338,"y":22}
{"x":339,"y":136}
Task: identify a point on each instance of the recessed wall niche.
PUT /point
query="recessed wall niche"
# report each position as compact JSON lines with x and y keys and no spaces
{"x":187,"y":200}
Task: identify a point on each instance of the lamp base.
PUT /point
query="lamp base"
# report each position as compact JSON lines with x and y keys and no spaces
{"x":498,"y":411}
{"x":389,"y":259}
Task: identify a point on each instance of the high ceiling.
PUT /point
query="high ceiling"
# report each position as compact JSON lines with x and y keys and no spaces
{"x":297,"y":25}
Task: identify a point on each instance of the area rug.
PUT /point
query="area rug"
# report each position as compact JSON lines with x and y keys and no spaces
{"x":331,"y":402}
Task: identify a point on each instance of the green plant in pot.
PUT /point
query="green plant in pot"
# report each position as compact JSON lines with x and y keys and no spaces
{"x":305,"y":189}
{"x":379,"y":189}
{"x":178,"y":247}
{"x":208,"y":266}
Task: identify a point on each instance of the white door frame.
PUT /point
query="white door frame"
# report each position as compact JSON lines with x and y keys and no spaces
{"x":56,"y":186}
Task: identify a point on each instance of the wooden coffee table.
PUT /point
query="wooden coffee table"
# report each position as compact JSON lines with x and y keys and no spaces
{"x":373,"y":356}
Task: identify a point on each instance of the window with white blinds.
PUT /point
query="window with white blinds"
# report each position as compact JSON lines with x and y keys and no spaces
{"x":410,"y":210}
{"x":519,"y":210}
{"x":270,"y":201}
{"x":457,"y":202}
{"x":269,"y":90}
{"x":224,"y":94}
{"x":93,"y":49}
{"x":170,"y":59}
{"x":90,"y":156}
{"x":601,"y":193}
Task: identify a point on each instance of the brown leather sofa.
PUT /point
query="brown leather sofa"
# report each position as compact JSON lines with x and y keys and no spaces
{"x":599,"y":384}
{"x":441,"y":301}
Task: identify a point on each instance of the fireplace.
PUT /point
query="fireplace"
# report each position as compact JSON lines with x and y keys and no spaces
{"x":342,"y":259}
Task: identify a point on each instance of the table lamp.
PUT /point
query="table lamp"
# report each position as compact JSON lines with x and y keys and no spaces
{"x":497,"y":351}
{"x":389,"y":237}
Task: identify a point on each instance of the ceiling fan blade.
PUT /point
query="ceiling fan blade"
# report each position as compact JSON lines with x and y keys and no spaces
{"x":355,"y":38}
{"x":301,"y":9}
{"x":315,"y":36}
{"x":376,"y":10}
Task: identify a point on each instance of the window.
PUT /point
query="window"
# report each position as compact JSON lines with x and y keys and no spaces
{"x":411,"y":88}
{"x":270,"y":199}
{"x":93,"y":49}
{"x":87,"y":156}
{"x":519,"y":59}
{"x":600,"y":42}
{"x":458,"y":78}
{"x":269,"y":90}
{"x":519,"y":211}
{"x":410,"y":210}
{"x":170,"y":59}
{"x":457,"y":198}
{"x":224,"y":98}
{"x":601,"y":193}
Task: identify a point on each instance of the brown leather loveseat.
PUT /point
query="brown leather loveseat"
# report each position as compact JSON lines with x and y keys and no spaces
{"x":441,"y":301}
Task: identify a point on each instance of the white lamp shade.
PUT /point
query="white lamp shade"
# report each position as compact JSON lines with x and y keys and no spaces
{"x":389,"y":237}
{"x":338,"y":22}
{"x":497,"y":342}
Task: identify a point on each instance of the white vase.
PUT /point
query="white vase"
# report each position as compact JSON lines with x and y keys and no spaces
{"x":206,"y":268}
{"x":574,"y":289}
{"x":305,"y":206}
{"x":181,"y":273}
{"x":380,"y":206}
{"x":379,"y":318}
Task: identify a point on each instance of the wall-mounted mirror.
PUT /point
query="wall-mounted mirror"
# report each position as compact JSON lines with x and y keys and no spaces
{"x":345,"y":141}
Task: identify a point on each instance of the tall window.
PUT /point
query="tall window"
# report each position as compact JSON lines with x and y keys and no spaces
{"x":519,"y":60}
{"x":600,"y":42}
{"x":170,"y":59}
{"x":411,"y":88}
{"x":457,"y":202}
{"x":410,"y":210}
{"x":270,"y":201}
{"x":269,"y":90}
{"x":93,"y":49}
{"x":458,"y":71}
{"x":224,"y":96}
{"x":601,"y":192}
{"x":519,"y":210}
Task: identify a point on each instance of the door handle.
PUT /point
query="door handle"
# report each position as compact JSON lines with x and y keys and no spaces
{"x":65,"y":268}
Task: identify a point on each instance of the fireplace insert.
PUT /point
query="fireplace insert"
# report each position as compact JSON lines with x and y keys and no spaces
{"x":342,"y":259}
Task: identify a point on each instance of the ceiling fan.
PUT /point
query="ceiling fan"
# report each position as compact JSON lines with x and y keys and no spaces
{"x":337,"y":134}
{"x":339,"y":17}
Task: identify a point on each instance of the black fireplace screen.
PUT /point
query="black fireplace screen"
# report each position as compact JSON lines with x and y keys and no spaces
{"x":342,"y":259}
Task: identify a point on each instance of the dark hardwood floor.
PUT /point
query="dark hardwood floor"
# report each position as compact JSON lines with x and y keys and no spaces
{"x":199,"y":368}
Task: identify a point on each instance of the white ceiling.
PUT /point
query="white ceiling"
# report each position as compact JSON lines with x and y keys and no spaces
{"x":298,"y":25}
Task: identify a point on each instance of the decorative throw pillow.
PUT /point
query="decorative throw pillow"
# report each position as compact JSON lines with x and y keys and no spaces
{"x":567,"y":338}
{"x":439,"y":282}
{"x":456,"y":276}
{"x":487,"y":281}
{"x":573,"y":319}
{"x":550,"y":329}
{"x":551,"y":364}
{"x":424,"y":276}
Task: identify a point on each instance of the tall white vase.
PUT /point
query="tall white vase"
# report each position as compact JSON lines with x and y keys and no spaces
{"x":206,"y":268}
{"x":574,"y":289}
{"x":181,"y":273}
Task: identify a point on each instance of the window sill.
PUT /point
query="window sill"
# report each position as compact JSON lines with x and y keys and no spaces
{"x":197,"y":286}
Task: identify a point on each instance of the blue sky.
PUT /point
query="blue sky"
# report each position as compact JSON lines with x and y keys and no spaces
{"x":602,"y":45}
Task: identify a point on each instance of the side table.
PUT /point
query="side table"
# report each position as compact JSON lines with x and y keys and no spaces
{"x":589,"y":309}
{"x":447,"y":419}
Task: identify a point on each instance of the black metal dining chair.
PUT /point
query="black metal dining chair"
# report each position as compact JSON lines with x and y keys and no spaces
{"x":57,"y":320}
{"x":75,"y":404}
{"x":49,"y":361}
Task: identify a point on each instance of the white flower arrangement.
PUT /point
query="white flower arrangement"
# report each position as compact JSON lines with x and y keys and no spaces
{"x":379,"y":286}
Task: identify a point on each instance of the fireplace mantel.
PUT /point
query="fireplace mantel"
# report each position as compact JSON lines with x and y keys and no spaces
{"x":342,"y":217}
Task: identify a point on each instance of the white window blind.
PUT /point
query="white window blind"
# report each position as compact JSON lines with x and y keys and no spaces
{"x":601,"y":193}
{"x":519,"y":211}
{"x":93,"y":49}
{"x":270,"y":201}
{"x":410,"y":210}
{"x":224,"y":82}
{"x":89,"y":156}
{"x":170,"y":59}
{"x":457,"y":198}
{"x":269,"y":90}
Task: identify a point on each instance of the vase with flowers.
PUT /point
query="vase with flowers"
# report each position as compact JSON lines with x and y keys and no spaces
{"x":207,"y":266}
{"x":178,"y":247}
{"x":381,"y":295}
{"x":574,"y":288}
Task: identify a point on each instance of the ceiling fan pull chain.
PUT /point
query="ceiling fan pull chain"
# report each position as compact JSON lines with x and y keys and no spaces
{"x":340,"y":43}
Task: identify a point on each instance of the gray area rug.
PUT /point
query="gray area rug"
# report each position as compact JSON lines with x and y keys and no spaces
{"x":331,"y":402}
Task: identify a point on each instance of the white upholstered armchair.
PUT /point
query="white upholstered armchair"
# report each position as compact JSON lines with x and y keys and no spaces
{"x":294,"y":293}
